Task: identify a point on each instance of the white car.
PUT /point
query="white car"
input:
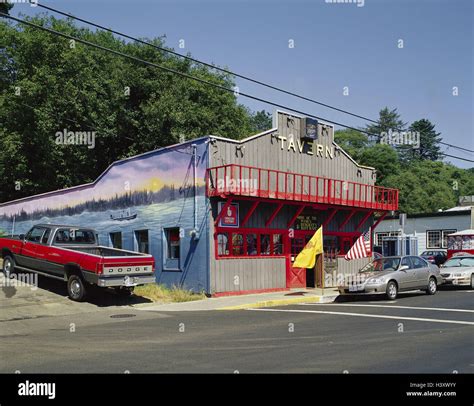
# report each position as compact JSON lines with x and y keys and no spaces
{"x":459,"y":271}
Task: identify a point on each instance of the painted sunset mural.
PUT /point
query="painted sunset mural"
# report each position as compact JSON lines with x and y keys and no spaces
{"x":156,"y":177}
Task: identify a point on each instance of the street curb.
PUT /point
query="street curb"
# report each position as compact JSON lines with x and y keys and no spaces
{"x":282,"y":302}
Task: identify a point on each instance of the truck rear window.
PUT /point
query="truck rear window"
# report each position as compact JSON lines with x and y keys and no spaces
{"x":74,"y":236}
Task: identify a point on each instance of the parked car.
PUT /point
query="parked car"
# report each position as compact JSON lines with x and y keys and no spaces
{"x":391,"y":275}
{"x":72,"y":254}
{"x":435,"y":256}
{"x":459,"y":270}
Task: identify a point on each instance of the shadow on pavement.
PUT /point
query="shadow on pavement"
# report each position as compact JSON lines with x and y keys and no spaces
{"x":97,"y":296}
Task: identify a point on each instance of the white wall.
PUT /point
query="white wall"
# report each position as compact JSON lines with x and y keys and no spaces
{"x":419,"y":226}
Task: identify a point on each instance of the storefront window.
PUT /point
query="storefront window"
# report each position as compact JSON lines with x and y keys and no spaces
{"x":222,"y":244}
{"x":265,"y":246}
{"x":252,"y":244}
{"x":237,"y":244}
{"x":277,"y":244}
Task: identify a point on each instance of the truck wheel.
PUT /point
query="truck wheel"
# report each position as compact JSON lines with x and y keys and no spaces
{"x":124,"y":291}
{"x":432,"y":287}
{"x":392,"y":290}
{"x":8,"y":266}
{"x":76,"y":289}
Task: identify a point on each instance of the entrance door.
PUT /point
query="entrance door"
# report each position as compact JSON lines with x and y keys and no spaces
{"x":299,"y":277}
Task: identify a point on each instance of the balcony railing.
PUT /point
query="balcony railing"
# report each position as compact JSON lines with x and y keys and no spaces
{"x":242,"y":180}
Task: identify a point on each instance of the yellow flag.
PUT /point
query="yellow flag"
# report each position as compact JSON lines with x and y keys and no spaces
{"x":307,"y":257}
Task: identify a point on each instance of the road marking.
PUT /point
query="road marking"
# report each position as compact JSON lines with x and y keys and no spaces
{"x":442,"y":309}
{"x":377,"y":316}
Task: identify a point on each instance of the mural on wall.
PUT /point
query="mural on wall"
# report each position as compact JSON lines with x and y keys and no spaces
{"x":122,"y":194}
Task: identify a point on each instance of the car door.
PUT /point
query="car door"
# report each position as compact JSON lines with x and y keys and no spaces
{"x":406,"y":278}
{"x":48,"y":259}
{"x":422,"y":272}
{"x":29,"y":257}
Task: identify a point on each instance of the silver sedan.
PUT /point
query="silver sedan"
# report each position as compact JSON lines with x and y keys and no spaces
{"x":459,"y":270}
{"x":390,"y":275}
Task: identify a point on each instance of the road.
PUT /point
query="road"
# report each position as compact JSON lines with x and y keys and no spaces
{"x":414,"y":334}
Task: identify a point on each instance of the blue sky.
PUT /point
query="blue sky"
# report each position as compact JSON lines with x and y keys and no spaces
{"x":335,"y":45}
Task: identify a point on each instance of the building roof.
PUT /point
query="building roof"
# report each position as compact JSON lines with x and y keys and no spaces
{"x":464,"y":232}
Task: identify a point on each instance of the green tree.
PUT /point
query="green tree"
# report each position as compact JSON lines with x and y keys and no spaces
{"x":260,"y":121}
{"x":49,"y":84}
{"x":388,"y":120}
{"x":383,"y":158}
{"x":429,"y":139}
{"x":352,"y":141}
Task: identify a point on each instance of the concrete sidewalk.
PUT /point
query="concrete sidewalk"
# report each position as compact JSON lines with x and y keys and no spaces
{"x":292,"y":296}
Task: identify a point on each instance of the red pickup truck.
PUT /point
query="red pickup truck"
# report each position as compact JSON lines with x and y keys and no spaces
{"x":72,"y":254}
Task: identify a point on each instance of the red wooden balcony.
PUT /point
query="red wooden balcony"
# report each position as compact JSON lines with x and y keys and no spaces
{"x":239,"y":180}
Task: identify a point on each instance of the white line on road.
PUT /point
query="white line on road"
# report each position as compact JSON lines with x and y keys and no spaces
{"x":441,"y":309}
{"x":377,"y":316}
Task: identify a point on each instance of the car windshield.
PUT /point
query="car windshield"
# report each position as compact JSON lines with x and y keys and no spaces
{"x":459,"y":262}
{"x":381,"y":264}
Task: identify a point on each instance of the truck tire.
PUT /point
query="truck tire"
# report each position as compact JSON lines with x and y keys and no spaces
{"x":8,"y":266}
{"x":76,"y":288}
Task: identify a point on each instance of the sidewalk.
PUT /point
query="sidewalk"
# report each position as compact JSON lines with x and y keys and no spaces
{"x":238,"y":302}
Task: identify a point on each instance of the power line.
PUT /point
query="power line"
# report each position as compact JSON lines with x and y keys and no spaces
{"x":279,"y":89}
{"x":170,"y":70}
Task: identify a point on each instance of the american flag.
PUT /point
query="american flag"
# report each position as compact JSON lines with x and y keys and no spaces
{"x":361,"y":248}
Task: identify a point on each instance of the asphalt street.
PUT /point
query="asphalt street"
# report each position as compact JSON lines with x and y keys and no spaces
{"x":414,"y":334}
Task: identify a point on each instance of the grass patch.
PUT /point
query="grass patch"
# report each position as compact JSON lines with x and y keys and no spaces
{"x":161,"y":293}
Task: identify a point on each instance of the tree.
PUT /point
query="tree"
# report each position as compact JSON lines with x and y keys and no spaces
{"x":49,"y":85}
{"x":383,"y":158}
{"x":389,"y":120}
{"x":5,"y":7}
{"x":260,"y":121}
{"x":429,"y":139}
{"x":351,"y":141}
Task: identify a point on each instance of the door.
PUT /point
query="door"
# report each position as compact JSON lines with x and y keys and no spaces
{"x":28,"y":257}
{"x":422,"y":272}
{"x":299,"y":277}
{"x":406,"y":278}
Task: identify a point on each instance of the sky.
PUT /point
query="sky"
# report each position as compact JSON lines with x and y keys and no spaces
{"x":337,"y":49}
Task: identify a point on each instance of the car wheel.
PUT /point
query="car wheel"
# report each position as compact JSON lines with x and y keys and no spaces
{"x":432,"y":287}
{"x":76,"y":288}
{"x":8,"y":266}
{"x":392,"y":290}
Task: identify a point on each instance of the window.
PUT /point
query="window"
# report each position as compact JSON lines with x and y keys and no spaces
{"x":445,"y":237}
{"x":418,"y":262}
{"x":406,"y":262}
{"x":142,"y":243}
{"x":222,"y":244}
{"x":173,"y":243}
{"x":380,"y":236}
{"x":248,"y":244}
{"x":237,"y":244}
{"x":252,"y":244}
{"x":74,"y":236}
{"x":433,"y":239}
{"x":35,"y":234}
{"x":116,"y":240}
{"x":46,"y":235}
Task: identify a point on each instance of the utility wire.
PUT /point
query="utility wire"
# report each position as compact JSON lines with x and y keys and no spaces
{"x":278,"y":89}
{"x":170,"y":70}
